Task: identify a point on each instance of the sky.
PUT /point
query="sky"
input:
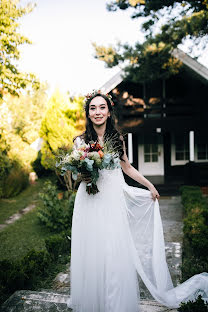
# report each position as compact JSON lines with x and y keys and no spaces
{"x":62,"y":32}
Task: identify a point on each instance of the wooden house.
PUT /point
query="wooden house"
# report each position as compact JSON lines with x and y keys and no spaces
{"x":167,"y":124}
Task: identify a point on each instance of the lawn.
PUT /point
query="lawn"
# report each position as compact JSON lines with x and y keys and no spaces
{"x":18,"y":238}
{"x":10,"y":206}
{"x":26,"y":233}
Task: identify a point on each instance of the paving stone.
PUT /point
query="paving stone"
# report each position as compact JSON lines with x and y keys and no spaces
{"x":46,"y":301}
{"x":17,"y":216}
{"x":29,"y":301}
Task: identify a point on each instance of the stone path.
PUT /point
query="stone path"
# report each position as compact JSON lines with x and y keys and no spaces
{"x":171,"y":213}
{"x":55,"y":299}
{"x":47,"y":301}
{"x":17,"y":216}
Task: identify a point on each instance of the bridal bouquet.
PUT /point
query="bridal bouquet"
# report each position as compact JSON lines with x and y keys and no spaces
{"x":89,"y":158}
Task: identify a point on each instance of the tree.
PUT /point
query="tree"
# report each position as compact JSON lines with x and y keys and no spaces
{"x":11,"y":79}
{"x":64,"y":119}
{"x":20,"y":120}
{"x":26,"y":112}
{"x":168,"y":24}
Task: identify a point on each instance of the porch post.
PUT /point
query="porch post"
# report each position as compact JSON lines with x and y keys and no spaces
{"x":130,"y":148}
{"x":191,"y":145}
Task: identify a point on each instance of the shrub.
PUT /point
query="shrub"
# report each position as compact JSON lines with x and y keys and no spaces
{"x":194,"y":306}
{"x":195,"y":240}
{"x":5,"y":165}
{"x":12,"y":277}
{"x":192,"y":265}
{"x":58,"y":244}
{"x":35,"y":265}
{"x":23,"y":273}
{"x":16,"y":181}
{"x":38,"y":167}
{"x":56,"y":214}
{"x":190,"y":196}
{"x":196,"y":232}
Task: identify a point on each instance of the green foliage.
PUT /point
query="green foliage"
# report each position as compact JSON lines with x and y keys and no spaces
{"x":13,"y":177}
{"x":20,"y":119}
{"x":12,"y":277}
{"x":58,"y":244}
{"x":192,"y":265}
{"x":15,"y":182}
{"x":154,"y":58}
{"x":11,"y":79}
{"x":5,"y":165}
{"x":38,"y":167}
{"x":56,"y":214}
{"x":23,"y":273}
{"x":63,"y":120}
{"x":26,"y":113}
{"x":194,"y":306}
{"x":35,"y":264}
{"x":190,"y":197}
{"x":195,"y":230}
{"x":30,"y":270}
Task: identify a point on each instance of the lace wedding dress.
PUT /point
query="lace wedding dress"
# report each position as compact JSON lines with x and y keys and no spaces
{"x":117,"y":234}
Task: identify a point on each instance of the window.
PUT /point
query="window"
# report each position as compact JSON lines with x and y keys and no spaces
{"x":181,"y":147}
{"x":151,"y":150}
{"x":202,"y":151}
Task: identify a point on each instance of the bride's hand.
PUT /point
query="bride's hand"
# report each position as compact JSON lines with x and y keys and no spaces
{"x":154,"y":192}
{"x":86,"y":177}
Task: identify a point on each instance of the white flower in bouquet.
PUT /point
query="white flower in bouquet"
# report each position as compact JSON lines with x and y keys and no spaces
{"x":91,"y":158}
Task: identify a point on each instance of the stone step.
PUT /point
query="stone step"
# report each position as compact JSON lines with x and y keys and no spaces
{"x":49,"y":301}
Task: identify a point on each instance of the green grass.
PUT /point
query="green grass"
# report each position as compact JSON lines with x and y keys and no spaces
{"x":10,"y":206}
{"x":27,"y":232}
{"x":23,"y":235}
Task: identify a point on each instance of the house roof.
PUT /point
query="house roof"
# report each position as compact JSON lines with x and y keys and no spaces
{"x":187,"y":60}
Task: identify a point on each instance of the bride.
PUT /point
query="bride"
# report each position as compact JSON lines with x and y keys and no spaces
{"x":117,"y":233}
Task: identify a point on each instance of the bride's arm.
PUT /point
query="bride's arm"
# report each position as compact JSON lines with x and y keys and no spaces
{"x":136,"y":175}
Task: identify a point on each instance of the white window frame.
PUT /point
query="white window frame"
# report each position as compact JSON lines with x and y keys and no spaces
{"x":175,"y":162}
{"x":173,"y":159}
{"x":196,"y":155}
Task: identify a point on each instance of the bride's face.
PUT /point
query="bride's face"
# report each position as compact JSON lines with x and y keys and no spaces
{"x":98,"y":111}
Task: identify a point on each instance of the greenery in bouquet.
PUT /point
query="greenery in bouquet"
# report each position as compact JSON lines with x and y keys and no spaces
{"x":89,"y":158}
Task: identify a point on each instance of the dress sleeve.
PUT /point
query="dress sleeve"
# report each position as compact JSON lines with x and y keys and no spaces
{"x":77,"y":142}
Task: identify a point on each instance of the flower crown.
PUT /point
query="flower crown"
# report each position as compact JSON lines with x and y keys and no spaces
{"x":95,"y":92}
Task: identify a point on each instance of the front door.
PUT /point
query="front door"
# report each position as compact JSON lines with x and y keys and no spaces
{"x":151,"y":160}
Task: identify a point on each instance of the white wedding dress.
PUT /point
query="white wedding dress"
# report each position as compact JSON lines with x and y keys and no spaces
{"x":117,"y":234}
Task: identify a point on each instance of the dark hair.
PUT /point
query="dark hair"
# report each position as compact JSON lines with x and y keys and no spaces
{"x":111,"y":131}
